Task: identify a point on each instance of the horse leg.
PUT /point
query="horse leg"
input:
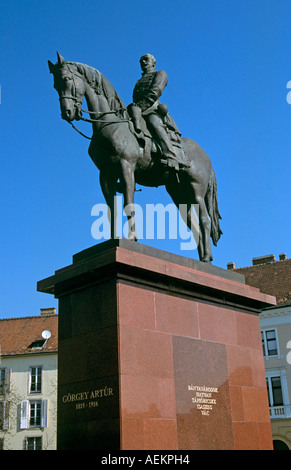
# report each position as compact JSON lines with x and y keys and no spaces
{"x":194,"y":192}
{"x":194,"y":225}
{"x":178,"y":196}
{"x":205,"y":226}
{"x":108,"y":186}
{"x":128,"y":193}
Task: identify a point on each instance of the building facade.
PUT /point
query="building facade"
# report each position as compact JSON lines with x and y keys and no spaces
{"x":276,"y":340}
{"x":28,"y":382}
{"x":273,"y":277}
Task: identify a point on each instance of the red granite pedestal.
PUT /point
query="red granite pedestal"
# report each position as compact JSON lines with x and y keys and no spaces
{"x":158,"y":352}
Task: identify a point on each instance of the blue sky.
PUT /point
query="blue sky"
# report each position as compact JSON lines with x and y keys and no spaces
{"x":228,"y":64}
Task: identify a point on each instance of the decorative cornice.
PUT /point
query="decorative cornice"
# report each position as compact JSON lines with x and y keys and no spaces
{"x":274,"y":313}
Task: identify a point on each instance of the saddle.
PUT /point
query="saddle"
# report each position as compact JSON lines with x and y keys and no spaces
{"x":151,"y":149}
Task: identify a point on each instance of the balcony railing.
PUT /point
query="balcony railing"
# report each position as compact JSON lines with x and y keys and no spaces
{"x":283,"y":411}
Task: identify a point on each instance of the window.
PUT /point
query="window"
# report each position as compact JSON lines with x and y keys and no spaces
{"x":4,"y":415}
{"x":274,"y":388}
{"x":38,"y":344}
{"x":269,"y":343}
{"x":5,"y":377}
{"x":35,"y":380}
{"x":277,"y":391}
{"x":33,"y":443}
{"x":277,"y":386}
{"x":33,"y":414}
{"x":2,"y":376}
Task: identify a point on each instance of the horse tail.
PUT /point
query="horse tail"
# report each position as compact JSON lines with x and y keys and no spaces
{"x":212,"y":207}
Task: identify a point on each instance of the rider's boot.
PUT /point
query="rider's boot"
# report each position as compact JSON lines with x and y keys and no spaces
{"x":135,"y":114}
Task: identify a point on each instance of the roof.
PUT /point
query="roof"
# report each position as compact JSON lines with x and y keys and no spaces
{"x":273,"y":278}
{"x":17,"y":335}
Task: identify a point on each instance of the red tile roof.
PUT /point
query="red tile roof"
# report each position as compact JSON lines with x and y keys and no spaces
{"x":17,"y":334}
{"x":272,"y":278}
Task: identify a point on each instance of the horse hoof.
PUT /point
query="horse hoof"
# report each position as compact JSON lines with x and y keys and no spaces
{"x":132,"y":238}
{"x":207,"y":259}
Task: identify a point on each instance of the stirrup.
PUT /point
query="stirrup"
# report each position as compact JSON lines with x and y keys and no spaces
{"x":170,"y":162}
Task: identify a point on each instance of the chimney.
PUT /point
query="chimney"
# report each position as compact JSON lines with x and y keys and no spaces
{"x":230,"y":266}
{"x":46,"y":312}
{"x":282,"y":256}
{"x":263,"y":259}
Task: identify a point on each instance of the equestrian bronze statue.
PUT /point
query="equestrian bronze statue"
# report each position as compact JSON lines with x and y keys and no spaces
{"x":140,"y":144}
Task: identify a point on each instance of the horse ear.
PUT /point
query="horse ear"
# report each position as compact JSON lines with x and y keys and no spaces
{"x":51,"y":66}
{"x":61,"y":60}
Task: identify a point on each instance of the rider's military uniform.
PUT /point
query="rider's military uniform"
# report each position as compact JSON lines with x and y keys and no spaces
{"x":148,"y":90}
{"x":146,"y":94}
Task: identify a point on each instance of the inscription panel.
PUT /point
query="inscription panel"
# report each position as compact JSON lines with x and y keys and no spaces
{"x":202,"y":395}
{"x":89,"y":401}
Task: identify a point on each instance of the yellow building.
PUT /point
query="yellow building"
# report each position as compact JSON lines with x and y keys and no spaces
{"x":274,"y":278}
{"x":28,"y":382}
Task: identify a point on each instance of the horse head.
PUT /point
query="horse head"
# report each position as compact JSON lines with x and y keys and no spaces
{"x":70,"y":87}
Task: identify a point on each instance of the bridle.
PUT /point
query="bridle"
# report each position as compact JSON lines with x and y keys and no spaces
{"x":78,"y":99}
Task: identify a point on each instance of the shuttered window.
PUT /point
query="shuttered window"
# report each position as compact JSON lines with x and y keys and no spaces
{"x":5,"y":380}
{"x":4,"y":414}
{"x":33,"y":414}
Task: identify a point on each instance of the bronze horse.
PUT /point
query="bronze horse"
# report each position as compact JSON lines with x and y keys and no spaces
{"x":122,"y":160}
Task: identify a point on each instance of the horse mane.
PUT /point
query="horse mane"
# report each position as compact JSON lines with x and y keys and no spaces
{"x":101,"y":86}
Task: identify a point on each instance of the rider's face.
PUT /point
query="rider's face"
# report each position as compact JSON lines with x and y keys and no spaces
{"x":147,"y":63}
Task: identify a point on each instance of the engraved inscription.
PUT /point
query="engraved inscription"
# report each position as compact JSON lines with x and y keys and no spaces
{"x":83,"y":400}
{"x":203,"y":398}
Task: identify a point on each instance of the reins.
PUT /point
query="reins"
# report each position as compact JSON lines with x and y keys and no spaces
{"x":81,"y":133}
{"x":101,"y":114}
{"x":97,"y":120}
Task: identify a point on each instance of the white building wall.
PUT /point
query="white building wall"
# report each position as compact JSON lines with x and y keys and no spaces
{"x":15,"y":437}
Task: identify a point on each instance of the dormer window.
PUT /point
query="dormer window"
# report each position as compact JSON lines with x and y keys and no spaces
{"x":38,"y":344}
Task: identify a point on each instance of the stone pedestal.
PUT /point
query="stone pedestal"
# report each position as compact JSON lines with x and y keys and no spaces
{"x":158,"y":352}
